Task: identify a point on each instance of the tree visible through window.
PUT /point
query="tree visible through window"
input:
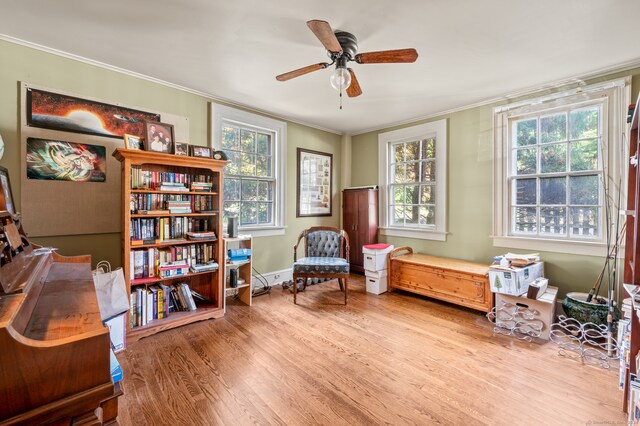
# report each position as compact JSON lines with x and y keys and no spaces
{"x":412,"y":171}
{"x":556,"y":173}
{"x":249,"y":182}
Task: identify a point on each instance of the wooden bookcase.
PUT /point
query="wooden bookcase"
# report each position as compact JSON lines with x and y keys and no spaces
{"x":243,"y":291}
{"x":207,"y":283}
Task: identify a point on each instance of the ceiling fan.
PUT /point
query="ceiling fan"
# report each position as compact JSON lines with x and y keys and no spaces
{"x":342,"y":47}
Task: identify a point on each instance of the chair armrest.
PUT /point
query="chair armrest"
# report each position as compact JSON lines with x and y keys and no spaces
{"x":295,"y":248}
{"x":345,"y":236}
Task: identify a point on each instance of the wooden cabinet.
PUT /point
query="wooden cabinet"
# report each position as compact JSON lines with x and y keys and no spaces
{"x":243,"y":291}
{"x":455,"y":281}
{"x":360,"y":221}
{"x":160,"y":229}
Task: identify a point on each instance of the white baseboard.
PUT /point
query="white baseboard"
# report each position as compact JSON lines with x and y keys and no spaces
{"x":275,"y":277}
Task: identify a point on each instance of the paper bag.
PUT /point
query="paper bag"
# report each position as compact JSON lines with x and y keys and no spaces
{"x":112,"y":293}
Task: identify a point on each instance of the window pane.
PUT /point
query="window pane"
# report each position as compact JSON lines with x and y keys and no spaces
{"x":413,"y":172}
{"x":584,"y":221}
{"x":398,"y":194}
{"x":525,"y":220}
{"x":525,"y":132}
{"x":398,"y":150}
{"x":427,"y":194}
{"x":230,"y":138}
{"x":525,"y":191}
{"x":264,"y":191}
{"x":249,"y":190}
{"x":428,"y":148}
{"x":526,"y":161}
{"x":398,"y":173}
{"x":233,"y":166}
{"x":584,"y":123}
{"x":553,"y":190}
{"x":247,"y":164}
{"x":428,"y":171}
{"x":412,"y":150}
{"x":262,"y":166}
{"x":412,"y":194}
{"x":427,"y":215}
{"x":398,"y":215}
{"x":249,"y":214}
{"x":231,"y":189}
{"x":553,"y":159}
{"x":584,"y":155}
{"x":553,"y":221}
{"x":553,"y":128}
{"x":264,"y":213}
{"x":584,"y":190}
{"x":263,"y":144}
{"x":231,"y":209}
{"x":412,"y":215}
{"x":248,"y":141}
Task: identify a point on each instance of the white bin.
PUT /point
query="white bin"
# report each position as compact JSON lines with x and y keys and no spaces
{"x":376,"y":259}
{"x":376,"y":281}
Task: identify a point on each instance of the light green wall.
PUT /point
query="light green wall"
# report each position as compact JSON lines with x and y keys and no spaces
{"x":469,"y":195}
{"x":20,"y":63}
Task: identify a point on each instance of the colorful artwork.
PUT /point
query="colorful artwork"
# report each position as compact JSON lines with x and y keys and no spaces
{"x":59,"y":160}
{"x":67,"y":113}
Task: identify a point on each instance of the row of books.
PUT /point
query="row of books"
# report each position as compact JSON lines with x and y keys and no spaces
{"x":166,"y":229}
{"x":170,"y":261}
{"x":159,"y":301}
{"x":147,"y":179}
{"x":145,"y":203}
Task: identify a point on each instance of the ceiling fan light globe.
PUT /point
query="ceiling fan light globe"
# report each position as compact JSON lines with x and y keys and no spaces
{"x":340,"y":79}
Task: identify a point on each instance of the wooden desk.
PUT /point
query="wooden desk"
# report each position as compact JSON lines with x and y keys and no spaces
{"x":455,"y":281}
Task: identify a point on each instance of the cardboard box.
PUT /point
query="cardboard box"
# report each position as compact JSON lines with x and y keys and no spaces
{"x":376,"y":259}
{"x":528,"y":314}
{"x":376,"y":281}
{"x":514,"y":281}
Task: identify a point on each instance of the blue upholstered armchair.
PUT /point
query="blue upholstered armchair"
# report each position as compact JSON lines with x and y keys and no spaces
{"x":324,"y":257}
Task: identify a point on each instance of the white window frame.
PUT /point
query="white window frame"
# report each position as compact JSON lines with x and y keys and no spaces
{"x":437,"y":130}
{"x":617,"y":95}
{"x":221,"y":114}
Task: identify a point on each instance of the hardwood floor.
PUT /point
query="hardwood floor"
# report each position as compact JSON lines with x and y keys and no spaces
{"x":390,"y":359}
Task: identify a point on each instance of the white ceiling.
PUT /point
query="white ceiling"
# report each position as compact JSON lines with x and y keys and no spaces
{"x":469,"y":50}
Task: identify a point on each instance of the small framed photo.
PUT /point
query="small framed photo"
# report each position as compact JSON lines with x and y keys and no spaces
{"x":181,"y":148}
{"x":159,"y":137}
{"x":133,"y":142}
{"x":200,"y":151}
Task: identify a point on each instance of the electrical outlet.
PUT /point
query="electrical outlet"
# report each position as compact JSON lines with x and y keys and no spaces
{"x":276,"y":276}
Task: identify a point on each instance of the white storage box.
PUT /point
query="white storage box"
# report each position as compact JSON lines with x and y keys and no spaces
{"x":514,"y":281}
{"x":376,"y":281}
{"x":117,"y":332}
{"x":528,"y":315}
{"x":376,"y":259}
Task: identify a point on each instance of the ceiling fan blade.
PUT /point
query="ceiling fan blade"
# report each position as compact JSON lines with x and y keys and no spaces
{"x":301,"y":71}
{"x":354,"y":88}
{"x":387,"y":56}
{"x":325,"y":34}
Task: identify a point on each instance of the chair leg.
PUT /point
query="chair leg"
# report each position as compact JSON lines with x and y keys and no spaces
{"x":295,"y":289}
{"x":346,"y":290}
{"x":340,"y":284}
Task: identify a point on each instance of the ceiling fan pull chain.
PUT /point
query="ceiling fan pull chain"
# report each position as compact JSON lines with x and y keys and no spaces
{"x":341,"y":98}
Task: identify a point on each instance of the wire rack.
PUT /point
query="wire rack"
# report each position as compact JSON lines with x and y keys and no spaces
{"x":512,"y":320}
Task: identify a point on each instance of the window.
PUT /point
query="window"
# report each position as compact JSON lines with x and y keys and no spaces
{"x":555,"y":170}
{"x":254,"y":179}
{"x":412,"y":170}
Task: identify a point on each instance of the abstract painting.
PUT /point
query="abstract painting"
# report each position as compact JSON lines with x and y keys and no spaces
{"x":55,"y":111}
{"x":59,"y":160}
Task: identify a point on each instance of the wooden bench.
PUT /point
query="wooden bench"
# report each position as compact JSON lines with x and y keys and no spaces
{"x":455,"y":281}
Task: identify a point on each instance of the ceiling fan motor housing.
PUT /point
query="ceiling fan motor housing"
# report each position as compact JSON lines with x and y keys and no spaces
{"x":349,"y":44}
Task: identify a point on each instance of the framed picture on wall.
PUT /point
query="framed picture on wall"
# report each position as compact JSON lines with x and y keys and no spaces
{"x":315,"y":183}
{"x":6,"y":201}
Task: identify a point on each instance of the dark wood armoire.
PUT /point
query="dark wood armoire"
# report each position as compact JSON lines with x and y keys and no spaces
{"x":360,"y":221}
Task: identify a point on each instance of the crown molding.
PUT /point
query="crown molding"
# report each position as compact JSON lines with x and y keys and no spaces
{"x":563,"y":83}
{"x":208,"y":96}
